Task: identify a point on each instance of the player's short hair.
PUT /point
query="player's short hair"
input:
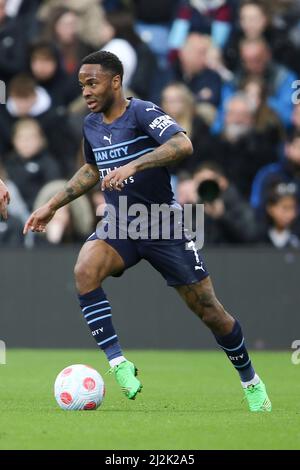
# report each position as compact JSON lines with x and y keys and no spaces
{"x":107,"y":60}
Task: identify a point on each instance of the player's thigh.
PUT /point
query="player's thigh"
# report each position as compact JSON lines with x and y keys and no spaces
{"x":176,"y":260}
{"x":98,"y":259}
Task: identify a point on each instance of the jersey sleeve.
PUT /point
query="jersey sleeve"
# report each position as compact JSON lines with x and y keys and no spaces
{"x":155,"y":122}
{"x":88,"y":151}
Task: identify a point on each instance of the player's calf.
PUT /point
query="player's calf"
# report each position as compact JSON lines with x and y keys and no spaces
{"x":201,"y":299}
{"x":95,"y":262}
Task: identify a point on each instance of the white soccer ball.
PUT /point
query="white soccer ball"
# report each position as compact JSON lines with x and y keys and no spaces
{"x":79,"y":387}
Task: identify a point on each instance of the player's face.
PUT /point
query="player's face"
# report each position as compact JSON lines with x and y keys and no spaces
{"x":98,"y":87}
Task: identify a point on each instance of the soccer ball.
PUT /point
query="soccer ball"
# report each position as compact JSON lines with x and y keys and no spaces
{"x":79,"y":387}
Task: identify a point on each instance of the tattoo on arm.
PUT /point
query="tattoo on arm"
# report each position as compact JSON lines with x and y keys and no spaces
{"x":172,"y":151}
{"x":85,"y":178}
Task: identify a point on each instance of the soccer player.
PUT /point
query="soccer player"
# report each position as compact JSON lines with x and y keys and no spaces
{"x":127,"y":145}
{"x":4,"y":200}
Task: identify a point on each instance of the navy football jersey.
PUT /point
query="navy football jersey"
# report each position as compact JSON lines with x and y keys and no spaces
{"x":142,"y":128}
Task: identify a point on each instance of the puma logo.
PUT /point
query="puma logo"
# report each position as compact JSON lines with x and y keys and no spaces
{"x":108,"y":138}
{"x":152,"y":109}
{"x":197,"y":268}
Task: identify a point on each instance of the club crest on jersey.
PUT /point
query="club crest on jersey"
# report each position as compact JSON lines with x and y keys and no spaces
{"x":162,"y":123}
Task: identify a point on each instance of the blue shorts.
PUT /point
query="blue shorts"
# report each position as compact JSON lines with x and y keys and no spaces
{"x":178,"y":265}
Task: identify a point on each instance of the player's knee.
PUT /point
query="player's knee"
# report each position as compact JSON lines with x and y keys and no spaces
{"x":214,"y":316}
{"x":210,"y":311}
{"x":86,"y":276}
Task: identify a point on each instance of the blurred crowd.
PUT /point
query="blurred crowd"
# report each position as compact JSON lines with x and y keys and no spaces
{"x":226,"y":70}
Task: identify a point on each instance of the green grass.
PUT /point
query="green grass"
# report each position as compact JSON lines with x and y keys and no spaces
{"x":190,"y":400}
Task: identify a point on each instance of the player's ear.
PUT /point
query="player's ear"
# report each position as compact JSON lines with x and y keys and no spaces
{"x":116,"y":82}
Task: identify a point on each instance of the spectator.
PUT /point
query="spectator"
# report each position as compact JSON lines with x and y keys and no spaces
{"x":286,"y":17}
{"x":30,"y":166}
{"x":211,"y":17}
{"x":63,"y":29}
{"x":266,"y":121}
{"x":24,"y":12}
{"x":296,"y":119}
{"x":146,"y":69}
{"x":93,"y":29}
{"x":257,"y":60}
{"x":282,"y":210}
{"x":228,"y":218}
{"x":46,"y":69}
{"x":215,"y":61}
{"x":178,"y":102}
{"x":193,"y":71}
{"x":239,"y":149}
{"x":153,"y":23}
{"x":255,"y":21}
{"x":13,"y":42}
{"x":25,"y":99}
{"x":186,"y":191}
{"x":72,"y":223}
{"x":286,"y":170}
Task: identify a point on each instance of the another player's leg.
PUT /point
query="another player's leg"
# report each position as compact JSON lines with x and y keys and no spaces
{"x":201,"y":299}
{"x":98,"y":260}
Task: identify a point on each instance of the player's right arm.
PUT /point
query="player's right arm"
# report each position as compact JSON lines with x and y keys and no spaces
{"x":4,"y":199}
{"x":85,"y":178}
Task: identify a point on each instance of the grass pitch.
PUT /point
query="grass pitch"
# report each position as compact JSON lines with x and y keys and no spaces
{"x":190,"y":400}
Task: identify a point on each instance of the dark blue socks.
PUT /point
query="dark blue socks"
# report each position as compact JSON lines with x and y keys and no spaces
{"x":97,"y":313}
{"x":233,"y":345}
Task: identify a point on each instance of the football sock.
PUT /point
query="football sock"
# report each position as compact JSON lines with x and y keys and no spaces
{"x":254,"y":381}
{"x":97,"y":313}
{"x":233,"y":345}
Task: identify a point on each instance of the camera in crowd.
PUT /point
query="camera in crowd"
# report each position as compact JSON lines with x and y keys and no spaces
{"x":210,"y":182}
{"x":209,"y":190}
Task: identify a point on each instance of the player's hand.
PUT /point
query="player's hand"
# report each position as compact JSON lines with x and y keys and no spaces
{"x":115,"y":179}
{"x":4,"y":200}
{"x":39,"y":219}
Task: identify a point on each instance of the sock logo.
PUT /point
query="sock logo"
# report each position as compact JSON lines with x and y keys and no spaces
{"x":96,"y":332}
{"x":236,"y":358}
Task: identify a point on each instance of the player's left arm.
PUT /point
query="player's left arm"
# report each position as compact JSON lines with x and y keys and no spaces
{"x":171,"y":152}
{"x":4,"y":199}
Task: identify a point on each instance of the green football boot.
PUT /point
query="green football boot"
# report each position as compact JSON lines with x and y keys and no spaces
{"x":257,"y":397}
{"x":125,"y":375}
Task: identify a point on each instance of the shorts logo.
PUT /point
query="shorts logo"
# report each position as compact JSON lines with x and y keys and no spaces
{"x":200,"y":267}
{"x":162,"y":123}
